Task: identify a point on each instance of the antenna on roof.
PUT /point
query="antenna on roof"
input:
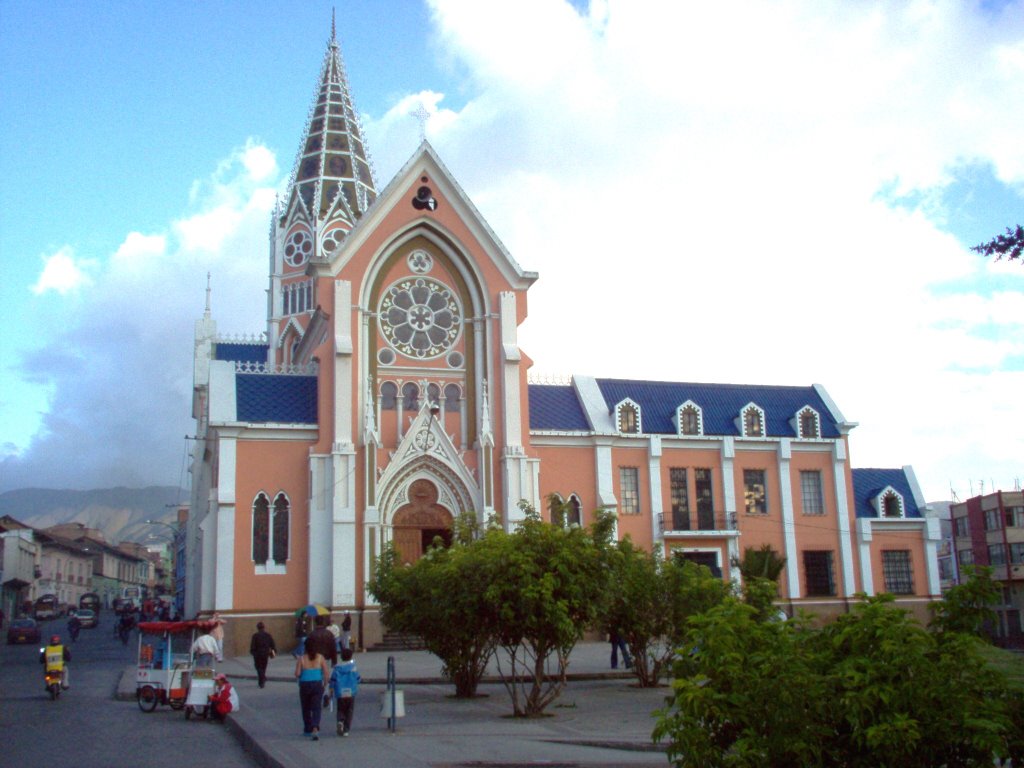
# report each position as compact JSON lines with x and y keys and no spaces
{"x":332,"y":24}
{"x":207,"y":294}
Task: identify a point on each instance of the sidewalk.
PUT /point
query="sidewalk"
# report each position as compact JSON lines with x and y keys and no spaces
{"x":601,"y":718}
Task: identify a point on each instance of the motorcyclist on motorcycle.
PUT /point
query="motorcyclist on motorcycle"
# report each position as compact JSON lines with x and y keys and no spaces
{"x":56,"y":657}
{"x":74,"y":626}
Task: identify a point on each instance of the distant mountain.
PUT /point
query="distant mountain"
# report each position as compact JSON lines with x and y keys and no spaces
{"x":120,"y":513}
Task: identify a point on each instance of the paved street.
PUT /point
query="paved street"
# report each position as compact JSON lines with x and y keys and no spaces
{"x":87,"y":727}
{"x":601,"y":720}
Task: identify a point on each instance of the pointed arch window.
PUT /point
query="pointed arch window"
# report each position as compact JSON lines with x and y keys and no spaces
{"x":690,"y":419}
{"x":628,"y":417}
{"x":574,"y":514}
{"x":810,"y":424}
{"x":452,"y":396}
{"x":753,"y":421}
{"x":279,"y":530}
{"x":270,"y":533}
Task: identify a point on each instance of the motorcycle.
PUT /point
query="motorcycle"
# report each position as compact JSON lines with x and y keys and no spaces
{"x":53,"y":683}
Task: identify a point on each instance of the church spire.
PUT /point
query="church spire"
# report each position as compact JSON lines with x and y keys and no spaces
{"x":332,"y":174}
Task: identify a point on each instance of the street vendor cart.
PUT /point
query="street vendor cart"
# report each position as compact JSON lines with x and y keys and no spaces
{"x":166,"y":666}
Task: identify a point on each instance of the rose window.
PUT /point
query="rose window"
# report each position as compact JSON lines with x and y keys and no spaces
{"x":298,"y":248}
{"x":420,"y":317}
{"x":420,"y":262}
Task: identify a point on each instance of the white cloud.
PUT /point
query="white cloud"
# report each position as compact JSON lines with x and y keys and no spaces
{"x":700,"y":187}
{"x":63,"y":273}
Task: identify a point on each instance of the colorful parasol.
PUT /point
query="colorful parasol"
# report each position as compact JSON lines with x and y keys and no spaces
{"x":313,"y":609}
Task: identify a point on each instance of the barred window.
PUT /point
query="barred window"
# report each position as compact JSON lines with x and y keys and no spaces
{"x":818,"y":574}
{"x":754,"y":491}
{"x":899,"y":579}
{"x":810,"y":491}
{"x":679,"y":499}
{"x":629,"y":490}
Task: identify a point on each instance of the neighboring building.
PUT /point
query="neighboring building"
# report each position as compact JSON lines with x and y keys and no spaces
{"x":989,"y":530}
{"x":389,"y":394}
{"x":65,"y":569}
{"x":116,"y":573}
{"x":19,"y":565}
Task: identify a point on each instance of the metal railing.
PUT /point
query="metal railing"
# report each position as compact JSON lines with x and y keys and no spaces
{"x":688,"y":522}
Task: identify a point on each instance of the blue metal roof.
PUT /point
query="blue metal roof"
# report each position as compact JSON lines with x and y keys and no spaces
{"x":556,"y":407}
{"x":868,"y":483}
{"x":276,"y":398}
{"x":240,"y":353}
{"x":720,"y":404}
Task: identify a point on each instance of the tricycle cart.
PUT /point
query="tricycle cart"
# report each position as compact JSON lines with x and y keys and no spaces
{"x":165,"y":663}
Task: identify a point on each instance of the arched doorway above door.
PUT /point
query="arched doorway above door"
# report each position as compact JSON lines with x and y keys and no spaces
{"x":418,"y":521}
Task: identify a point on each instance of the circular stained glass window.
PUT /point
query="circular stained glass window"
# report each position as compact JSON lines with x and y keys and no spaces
{"x":298,"y":248}
{"x":420,"y":262}
{"x":386,"y":356}
{"x":420,"y":317}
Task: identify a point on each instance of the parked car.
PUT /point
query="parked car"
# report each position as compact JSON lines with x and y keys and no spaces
{"x":23,"y":631}
{"x":87,"y":618}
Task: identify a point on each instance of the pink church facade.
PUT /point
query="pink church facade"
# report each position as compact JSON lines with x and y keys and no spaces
{"x":388,"y":394}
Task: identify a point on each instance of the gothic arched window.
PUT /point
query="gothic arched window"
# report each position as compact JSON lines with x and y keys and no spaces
{"x":261,"y":529}
{"x":388,"y":396}
{"x":410,"y":397}
{"x":280,"y":529}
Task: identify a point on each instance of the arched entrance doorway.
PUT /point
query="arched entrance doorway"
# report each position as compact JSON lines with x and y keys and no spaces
{"x":417,"y":522}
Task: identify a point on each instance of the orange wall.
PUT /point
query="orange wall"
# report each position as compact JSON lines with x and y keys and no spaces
{"x":567,"y":470}
{"x":287,"y":463}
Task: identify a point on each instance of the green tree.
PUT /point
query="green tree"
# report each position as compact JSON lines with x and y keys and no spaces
{"x":441,"y":598}
{"x":901,"y":696}
{"x":546,"y":585}
{"x":1010,"y":245}
{"x":651,"y":601}
{"x":872,"y":688}
{"x":761,"y":569}
{"x":745,"y":693}
{"x":967,"y":607}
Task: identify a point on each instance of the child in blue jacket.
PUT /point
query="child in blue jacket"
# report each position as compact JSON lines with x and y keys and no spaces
{"x":345,"y":681}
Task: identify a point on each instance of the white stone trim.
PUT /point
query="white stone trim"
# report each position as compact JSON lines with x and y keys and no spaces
{"x":793,"y":563}
{"x":843,"y":521}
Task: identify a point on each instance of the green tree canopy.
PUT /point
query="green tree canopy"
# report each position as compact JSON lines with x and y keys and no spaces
{"x":1010,"y":245}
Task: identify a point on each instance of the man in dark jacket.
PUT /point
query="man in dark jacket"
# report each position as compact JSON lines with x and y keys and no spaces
{"x":263,"y":649}
{"x":323,"y":641}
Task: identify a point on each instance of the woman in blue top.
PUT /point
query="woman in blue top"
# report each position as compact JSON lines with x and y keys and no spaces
{"x":312,"y":672}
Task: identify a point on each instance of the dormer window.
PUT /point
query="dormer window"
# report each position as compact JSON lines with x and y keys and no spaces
{"x":690,"y":419}
{"x":889,"y":503}
{"x":810,"y":424}
{"x":753,"y":421}
{"x":628,"y":417}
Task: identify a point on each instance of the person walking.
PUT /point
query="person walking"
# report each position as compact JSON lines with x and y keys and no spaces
{"x":263,"y":649}
{"x":618,"y":643}
{"x":346,"y":631}
{"x":323,"y":641}
{"x":312,"y":672}
{"x":345,"y":681}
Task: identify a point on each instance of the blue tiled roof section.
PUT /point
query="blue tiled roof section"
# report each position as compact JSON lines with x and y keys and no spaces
{"x":868,"y":483}
{"x":720,"y":404}
{"x":240,"y":353}
{"x":556,"y":408}
{"x":277,"y":398}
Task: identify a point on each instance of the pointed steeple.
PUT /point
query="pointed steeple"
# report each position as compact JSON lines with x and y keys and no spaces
{"x":332,"y":174}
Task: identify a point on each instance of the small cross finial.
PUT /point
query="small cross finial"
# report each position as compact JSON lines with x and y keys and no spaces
{"x":422,"y":115}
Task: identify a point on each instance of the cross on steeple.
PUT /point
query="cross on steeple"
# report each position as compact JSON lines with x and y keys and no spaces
{"x":422,"y":115}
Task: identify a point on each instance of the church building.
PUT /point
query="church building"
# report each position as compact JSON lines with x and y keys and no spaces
{"x":388,"y":394}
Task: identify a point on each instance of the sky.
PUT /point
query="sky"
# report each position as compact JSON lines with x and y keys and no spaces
{"x":749,"y":192}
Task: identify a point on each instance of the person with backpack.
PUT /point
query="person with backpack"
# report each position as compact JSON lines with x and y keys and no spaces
{"x":345,"y":681}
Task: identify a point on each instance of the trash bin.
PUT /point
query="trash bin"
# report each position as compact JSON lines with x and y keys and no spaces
{"x":385,"y":704}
